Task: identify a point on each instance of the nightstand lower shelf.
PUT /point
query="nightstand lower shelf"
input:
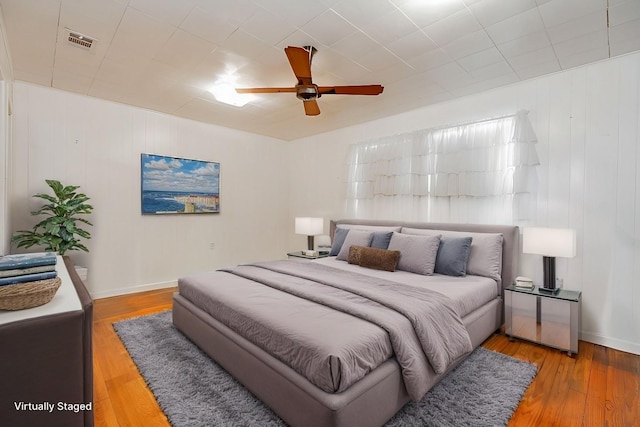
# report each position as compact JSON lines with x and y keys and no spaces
{"x":301,"y":254}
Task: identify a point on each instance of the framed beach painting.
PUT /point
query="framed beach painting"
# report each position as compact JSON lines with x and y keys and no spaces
{"x":172,"y":185}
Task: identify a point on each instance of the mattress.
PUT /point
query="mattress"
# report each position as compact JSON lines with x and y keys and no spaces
{"x":342,"y":348}
{"x":468,"y":293}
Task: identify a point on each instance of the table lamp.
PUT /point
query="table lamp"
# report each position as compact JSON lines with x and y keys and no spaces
{"x":550,"y":243}
{"x":309,"y":227}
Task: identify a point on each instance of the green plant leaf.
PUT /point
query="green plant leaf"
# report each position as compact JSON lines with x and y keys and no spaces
{"x":52,"y":228}
{"x":81,"y":247}
{"x":47,"y":197}
{"x":83,"y":233}
{"x":84,"y":220}
{"x":58,"y":231}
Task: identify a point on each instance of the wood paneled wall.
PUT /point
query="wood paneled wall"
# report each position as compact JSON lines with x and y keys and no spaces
{"x":97,"y":144}
{"x":587,"y":121}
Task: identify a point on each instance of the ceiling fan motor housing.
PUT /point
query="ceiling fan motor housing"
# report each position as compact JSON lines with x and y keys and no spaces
{"x":307,"y":92}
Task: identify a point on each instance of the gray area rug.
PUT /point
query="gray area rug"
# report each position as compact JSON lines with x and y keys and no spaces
{"x":194,"y":391}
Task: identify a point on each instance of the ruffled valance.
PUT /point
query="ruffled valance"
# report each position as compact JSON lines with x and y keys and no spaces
{"x":434,"y":174}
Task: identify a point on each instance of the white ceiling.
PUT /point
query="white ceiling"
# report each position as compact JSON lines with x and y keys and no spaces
{"x":164,"y":55}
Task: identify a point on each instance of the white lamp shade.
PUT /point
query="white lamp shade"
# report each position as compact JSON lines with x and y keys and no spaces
{"x":309,"y":226}
{"x":551,"y":242}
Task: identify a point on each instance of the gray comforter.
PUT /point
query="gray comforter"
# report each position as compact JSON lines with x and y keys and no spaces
{"x":423,"y":327}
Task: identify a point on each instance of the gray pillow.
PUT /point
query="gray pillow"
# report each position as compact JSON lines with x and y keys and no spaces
{"x":453,"y":255}
{"x":417,"y":253}
{"x":338,"y":240}
{"x":354,"y":237}
{"x":381,"y":239}
{"x":485,"y":255}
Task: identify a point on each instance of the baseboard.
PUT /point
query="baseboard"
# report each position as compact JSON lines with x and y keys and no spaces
{"x":134,"y":289}
{"x":618,"y":344}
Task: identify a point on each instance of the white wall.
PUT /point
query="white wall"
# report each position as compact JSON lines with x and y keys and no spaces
{"x":97,"y":144}
{"x":588,"y":125}
{"x":5,"y":164}
{"x":6,"y":83}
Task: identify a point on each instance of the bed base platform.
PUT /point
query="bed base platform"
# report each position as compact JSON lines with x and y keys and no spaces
{"x":370,"y":402}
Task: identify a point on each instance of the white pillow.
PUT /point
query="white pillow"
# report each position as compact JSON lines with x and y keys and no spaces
{"x":417,"y":253}
{"x":354,"y":238}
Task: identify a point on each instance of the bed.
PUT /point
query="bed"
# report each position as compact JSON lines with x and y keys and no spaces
{"x":339,"y":355}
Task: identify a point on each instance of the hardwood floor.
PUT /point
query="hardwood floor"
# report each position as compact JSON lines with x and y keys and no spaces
{"x":598,"y":387}
{"x":121,"y":396}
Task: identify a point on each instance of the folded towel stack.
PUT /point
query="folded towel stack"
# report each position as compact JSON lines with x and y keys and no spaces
{"x":26,"y":268}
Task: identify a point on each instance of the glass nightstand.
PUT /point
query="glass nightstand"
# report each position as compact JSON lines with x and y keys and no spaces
{"x":301,"y":254}
{"x":545,"y":318}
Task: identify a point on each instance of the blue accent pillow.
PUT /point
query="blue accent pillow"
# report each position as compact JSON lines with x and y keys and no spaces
{"x":338,"y":240}
{"x":453,"y":255}
{"x":381,"y":239}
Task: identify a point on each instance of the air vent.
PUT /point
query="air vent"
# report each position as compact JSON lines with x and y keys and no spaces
{"x":77,"y":39}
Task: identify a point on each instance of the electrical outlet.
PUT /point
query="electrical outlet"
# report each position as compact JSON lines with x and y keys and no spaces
{"x":212,"y":246}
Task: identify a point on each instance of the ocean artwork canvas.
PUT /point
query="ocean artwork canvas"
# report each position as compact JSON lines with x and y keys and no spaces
{"x":173,"y":185}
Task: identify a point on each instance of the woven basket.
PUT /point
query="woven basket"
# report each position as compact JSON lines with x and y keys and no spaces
{"x":28,"y":294}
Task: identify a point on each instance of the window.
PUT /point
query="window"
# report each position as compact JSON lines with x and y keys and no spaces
{"x":481,"y":172}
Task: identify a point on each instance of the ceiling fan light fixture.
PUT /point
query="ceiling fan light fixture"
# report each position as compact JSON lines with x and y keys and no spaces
{"x":307,"y":92}
{"x":226,"y":93}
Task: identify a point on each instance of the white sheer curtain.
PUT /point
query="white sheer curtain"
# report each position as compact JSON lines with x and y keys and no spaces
{"x":482,"y":172}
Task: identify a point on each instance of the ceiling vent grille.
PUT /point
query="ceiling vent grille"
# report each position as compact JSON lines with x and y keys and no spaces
{"x":77,"y":39}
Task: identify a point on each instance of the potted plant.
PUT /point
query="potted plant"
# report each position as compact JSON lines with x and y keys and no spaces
{"x":59,"y":231}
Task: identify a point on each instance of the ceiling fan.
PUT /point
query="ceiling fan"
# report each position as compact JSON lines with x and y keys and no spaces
{"x":300,"y":60}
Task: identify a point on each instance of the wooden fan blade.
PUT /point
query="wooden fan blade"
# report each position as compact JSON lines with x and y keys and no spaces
{"x":351,"y":90}
{"x":300,"y":60}
{"x":265,"y":89}
{"x":311,"y":107}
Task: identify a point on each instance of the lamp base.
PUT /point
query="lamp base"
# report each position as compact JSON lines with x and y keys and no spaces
{"x":549,"y":290}
{"x":549,"y":267}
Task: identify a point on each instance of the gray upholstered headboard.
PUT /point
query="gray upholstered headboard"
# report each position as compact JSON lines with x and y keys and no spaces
{"x":510,"y":243}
